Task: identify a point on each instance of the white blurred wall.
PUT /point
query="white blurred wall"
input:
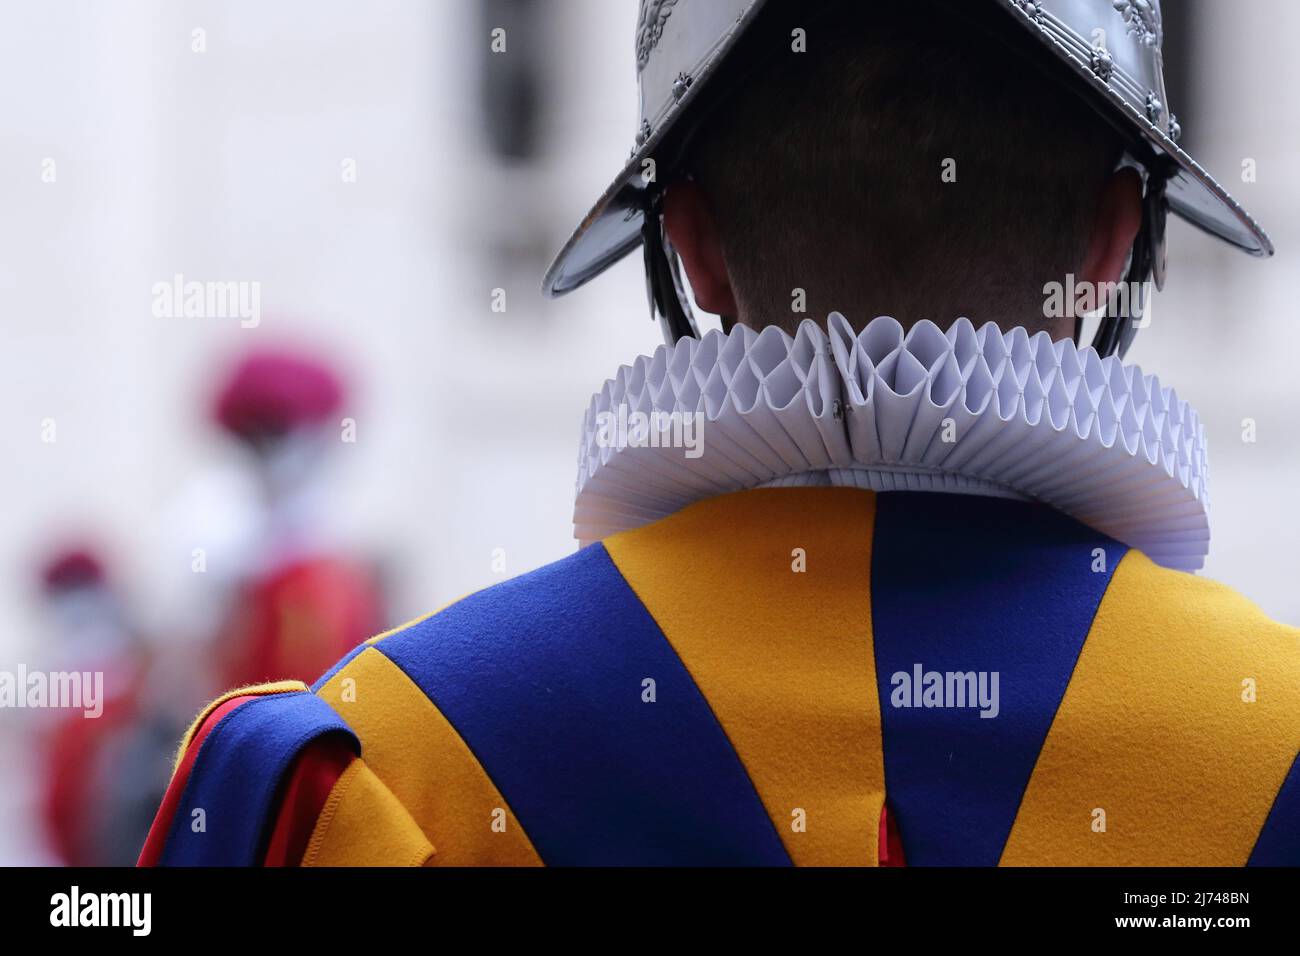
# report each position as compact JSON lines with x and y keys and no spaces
{"x":226,"y":165}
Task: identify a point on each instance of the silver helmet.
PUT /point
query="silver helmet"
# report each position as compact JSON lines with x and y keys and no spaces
{"x":1109,"y":49}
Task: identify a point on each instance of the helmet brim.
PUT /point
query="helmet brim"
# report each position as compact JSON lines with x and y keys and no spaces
{"x":613,"y":227}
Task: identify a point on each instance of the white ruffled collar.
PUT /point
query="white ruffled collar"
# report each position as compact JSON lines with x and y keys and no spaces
{"x":967,"y":411}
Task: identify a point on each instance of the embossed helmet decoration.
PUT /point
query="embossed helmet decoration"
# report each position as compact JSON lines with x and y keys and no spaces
{"x":1110,"y":50}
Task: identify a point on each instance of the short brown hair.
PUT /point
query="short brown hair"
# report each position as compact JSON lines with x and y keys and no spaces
{"x":825,"y":174}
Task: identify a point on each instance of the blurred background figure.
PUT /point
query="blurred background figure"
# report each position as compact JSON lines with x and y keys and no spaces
{"x":299,"y":603}
{"x":286,"y":602}
{"x":101,"y":773}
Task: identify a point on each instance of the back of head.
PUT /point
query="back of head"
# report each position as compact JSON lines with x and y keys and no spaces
{"x":903,"y":165}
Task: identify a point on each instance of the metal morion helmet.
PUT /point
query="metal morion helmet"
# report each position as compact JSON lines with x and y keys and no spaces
{"x":689,"y":52}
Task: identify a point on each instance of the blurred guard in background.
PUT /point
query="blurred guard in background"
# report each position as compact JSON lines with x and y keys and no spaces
{"x":104,"y":774}
{"x":299,"y":606}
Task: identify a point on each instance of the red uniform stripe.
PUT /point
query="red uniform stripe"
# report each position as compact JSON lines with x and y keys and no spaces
{"x":162,"y":821}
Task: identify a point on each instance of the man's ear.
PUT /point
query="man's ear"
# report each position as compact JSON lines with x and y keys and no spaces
{"x":1119,"y":217}
{"x":694,"y":234}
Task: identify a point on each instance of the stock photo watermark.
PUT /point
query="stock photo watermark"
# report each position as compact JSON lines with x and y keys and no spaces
{"x":623,"y":428}
{"x":133,"y":911}
{"x":180,"y":298}
{"x":947,"y":689}
{"x":1074,"y":298}
{"x":52,"y":690}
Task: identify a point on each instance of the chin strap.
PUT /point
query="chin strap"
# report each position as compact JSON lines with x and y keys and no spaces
{"x":664,"y":280}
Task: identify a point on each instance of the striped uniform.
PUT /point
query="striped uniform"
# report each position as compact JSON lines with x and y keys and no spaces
{"x":722,"y":687}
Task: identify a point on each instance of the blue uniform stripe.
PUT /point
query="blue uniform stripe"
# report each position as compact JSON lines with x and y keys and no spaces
{"x":1278,"y":843}
{"x":962,"y":584}
{"x":543,"y":677}
{"x":236,"y":775}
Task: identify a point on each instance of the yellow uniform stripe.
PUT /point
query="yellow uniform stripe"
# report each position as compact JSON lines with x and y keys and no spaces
{"x":419,"y":756}
{"x":784,"y":657}
{"x":1156,"y":732}
{"x":363,"y":824}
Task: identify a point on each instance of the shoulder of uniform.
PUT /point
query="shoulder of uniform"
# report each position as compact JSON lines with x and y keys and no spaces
{"x":231,"y":764}
{"x":1196,"y":606}
{"x":1162,"y":615}
{"x":562,"y":584}
{"x":219,"y":707}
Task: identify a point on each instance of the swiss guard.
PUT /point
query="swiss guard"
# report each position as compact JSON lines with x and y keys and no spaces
{"x":105,"y":760}
{"x":300,"y":601}
{"x":895,"y":568}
